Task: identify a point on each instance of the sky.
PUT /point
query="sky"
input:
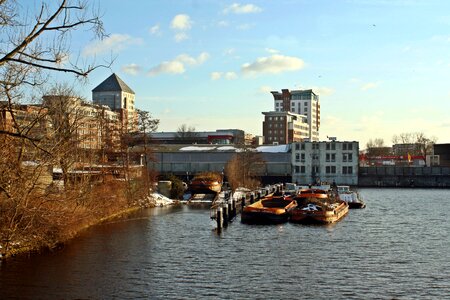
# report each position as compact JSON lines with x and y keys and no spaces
{"x":380,"y":67}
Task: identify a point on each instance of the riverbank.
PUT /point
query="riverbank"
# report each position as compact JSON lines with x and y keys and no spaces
{"x":56,"y":234}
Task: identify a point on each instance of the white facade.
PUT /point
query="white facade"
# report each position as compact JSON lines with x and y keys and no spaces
{"x":330,"y":162}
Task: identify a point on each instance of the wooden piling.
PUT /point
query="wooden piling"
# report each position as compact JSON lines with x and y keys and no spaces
{"x":219,"y":218}
{"x":225,"y":214}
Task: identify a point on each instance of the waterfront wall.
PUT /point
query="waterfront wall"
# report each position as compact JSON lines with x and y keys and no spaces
{"x":392,"y":176}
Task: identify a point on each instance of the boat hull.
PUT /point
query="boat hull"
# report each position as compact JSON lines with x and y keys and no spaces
{"x":356,"y":205}
{"x":263,"y":218}
{"x":319,"y":217}
{"x":270,"y":210}
{"x":316,"y":206}
{"x":205,"y":186}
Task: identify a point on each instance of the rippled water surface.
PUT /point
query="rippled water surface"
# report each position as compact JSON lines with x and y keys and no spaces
{"x":398,"y":247}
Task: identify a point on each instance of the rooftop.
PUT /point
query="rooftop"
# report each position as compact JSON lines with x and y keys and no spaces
{"x":112,"y":84}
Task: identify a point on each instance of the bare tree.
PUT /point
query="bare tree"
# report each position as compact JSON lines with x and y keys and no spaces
{"x":186,"y":133}
{"x":146,"y":124}
{"x":32,"y":48}
{"x":244,"y":169}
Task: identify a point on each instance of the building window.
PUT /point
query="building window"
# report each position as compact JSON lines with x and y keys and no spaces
{"x":344,"y":157}
{"x":302,"y":157}
{"x":297,"y":146}
{"x":293,"y":104}
{"x":330,"y":169}
{"x":344,"y":146}
{"x":347,"y":170}
{"x":297,"y":157}
{"x":350,"y":157}
{"x":350,"y":146}
{"x":302,"y":169}
{"x":297,"y":169}
{"x":315,"y":146}
{"x":302,"y":146}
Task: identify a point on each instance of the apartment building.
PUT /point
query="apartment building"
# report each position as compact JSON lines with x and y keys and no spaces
{"x":302,"y":102}
{"x":283,"y":127}
{"x":330,"y":161}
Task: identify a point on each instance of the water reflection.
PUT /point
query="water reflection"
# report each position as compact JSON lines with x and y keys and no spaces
{"x":395,"y":248}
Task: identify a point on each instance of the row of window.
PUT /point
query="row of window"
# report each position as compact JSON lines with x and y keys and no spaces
{"x":276,"y":118}
{"x":328,"y":169}
{"x":329,"y":157}
{"x":328,"y":146}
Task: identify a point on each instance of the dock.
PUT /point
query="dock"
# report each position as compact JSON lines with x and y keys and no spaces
{"x":228,"y":205}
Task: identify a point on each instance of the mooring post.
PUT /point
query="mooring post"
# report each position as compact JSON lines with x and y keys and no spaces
{"x":225,"y":214}
{"x":230,"y":210}
{"x":242,"y":203}
{"x":219,"y":218}
{"x":233,"y":208}
{"x":252,"y":198}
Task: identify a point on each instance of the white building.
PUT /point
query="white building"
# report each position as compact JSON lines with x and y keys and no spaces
{"x":330,"y":161}
{"x":303,"y":102}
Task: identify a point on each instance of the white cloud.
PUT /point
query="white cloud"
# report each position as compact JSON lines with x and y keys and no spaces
{"x":237,"y":8}
{"x":272,"y":51}
{"x":216,"y":75}
{"x":186,"y":59}
{"x":155,"y":30}
{"x":177,"y":65}
{"x":169,"y":67}
{"x":181,"y":22}
{"x":369,"y":85}
{"x":132,"y":69}
{"x":115,"y":43}
{"x":226,"y":75}
{"x":181,"y":36}
{"x":273,"y":65}
{"x":230,"y":75}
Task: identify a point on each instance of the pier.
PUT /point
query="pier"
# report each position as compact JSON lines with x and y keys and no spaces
{"x":226,"y":208}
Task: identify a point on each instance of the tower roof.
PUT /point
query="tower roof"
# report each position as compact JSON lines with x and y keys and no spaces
{"x":112,"y":84}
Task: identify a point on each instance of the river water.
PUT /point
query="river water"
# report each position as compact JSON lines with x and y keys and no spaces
{"x":398,"y":247}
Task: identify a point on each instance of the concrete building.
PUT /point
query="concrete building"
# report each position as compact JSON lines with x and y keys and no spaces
{"x":283,"y":127}
{"x":443,"y":153}
{"x":220,"y":136}
{"x":186,"y":161}
{"x":329,"y":161}
{"x":119,"y":97}
{"x":302,"y":102}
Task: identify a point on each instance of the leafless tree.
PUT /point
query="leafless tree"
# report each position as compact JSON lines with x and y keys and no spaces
{"x":244,"y":169}
{"x":32,"y":48}
{"x":186,"y":133}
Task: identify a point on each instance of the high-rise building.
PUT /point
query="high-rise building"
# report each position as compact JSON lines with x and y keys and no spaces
{"x":118,"y":96}
{"x":303,"y":102}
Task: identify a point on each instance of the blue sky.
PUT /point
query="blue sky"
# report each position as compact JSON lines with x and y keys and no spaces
{"x":380,"y":67}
